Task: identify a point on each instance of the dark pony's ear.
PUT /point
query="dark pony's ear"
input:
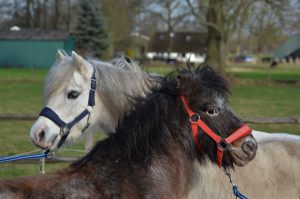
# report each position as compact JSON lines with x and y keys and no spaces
{"x":185,"y":81}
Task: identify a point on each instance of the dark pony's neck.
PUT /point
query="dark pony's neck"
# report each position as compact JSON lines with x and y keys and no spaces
{"x":154,"y":125}
{"x":157,"y":124}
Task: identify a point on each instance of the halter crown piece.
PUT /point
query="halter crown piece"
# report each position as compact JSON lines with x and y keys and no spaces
{"x":222,"y":143}
{"x":65,"y":128}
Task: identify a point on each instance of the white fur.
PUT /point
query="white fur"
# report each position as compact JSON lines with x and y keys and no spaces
{"x":273,"y":174}
{"x":267,"y":137}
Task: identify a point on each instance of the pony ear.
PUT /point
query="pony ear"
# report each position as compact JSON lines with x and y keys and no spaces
{"x":60,"y":56}
{"x":78,"y":61}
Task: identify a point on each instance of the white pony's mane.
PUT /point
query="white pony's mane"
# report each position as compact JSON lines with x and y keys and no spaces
{"x":115,"y":81}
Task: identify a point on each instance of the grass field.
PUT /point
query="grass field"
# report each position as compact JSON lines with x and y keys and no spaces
{"x":21,"y":91}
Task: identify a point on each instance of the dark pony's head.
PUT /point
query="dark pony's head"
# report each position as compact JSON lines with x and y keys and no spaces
{"x":206,"y":93}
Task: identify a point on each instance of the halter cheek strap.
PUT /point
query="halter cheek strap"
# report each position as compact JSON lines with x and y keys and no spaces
{"x":222,"y":143}
{"x":65,"y":128}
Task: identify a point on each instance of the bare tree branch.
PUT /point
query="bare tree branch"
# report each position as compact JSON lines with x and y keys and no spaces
{"x":193,"y":11}
{"x":199,"y":20}
{"x":179,"y":18}
{"x":160,"y":15}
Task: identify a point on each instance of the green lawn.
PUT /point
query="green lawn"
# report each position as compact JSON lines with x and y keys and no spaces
{"x":21,"y":91}
{"x":263,"y":75}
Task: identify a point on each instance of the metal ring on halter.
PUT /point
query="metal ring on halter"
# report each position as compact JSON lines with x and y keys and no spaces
{"x":64,"y":130}
{"x":223,"y":145}
{"x":194,"y":118}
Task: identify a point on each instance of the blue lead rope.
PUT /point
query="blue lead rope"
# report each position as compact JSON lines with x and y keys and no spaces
{"x":235,"y":188}
{"x":237,"y":193}
{"x":23,"y":157}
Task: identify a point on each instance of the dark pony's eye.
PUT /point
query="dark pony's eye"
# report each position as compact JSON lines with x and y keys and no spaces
{"x":73,"y":94}
{"x":212,"y":112}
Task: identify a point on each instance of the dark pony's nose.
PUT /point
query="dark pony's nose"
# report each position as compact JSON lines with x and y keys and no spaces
{"x":249,"y":147}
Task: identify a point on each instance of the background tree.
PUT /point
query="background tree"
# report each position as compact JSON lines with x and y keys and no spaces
{"x":90,"y":34}
{"x":120,"y":16}
{"x":39,"y":14}
{"x":241,"y":26}
{"x":223,"y":19}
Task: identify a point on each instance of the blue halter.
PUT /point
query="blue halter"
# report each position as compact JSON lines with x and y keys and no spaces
{"x":65,"y":128}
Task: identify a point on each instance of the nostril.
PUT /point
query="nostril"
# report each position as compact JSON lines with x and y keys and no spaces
{"x":41,"y":136}
{"x":249,"y":146}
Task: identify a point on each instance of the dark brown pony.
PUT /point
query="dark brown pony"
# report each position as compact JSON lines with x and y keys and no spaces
{"x":152,"y":153}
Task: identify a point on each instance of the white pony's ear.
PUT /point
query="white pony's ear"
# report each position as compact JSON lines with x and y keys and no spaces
{"x":60,"y":56}
{"x":78,"y":62}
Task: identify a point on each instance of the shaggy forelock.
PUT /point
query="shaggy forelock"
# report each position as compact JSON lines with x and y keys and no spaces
{"x":210,"y":79}
{"x":58,"y":76}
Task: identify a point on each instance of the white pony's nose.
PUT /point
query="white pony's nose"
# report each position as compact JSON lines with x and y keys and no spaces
{"x":41,"y":137}
{"x":40,"y":140}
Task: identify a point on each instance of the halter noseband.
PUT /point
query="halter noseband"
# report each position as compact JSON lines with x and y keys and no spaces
{"x":65,"y":128}
{"x":222,"y":143}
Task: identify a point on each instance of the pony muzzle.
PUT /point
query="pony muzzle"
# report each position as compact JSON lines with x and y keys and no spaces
{"x":222,"y":143}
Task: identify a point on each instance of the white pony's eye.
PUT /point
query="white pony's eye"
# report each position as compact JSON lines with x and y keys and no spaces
{"x":73,"y":94}
{"x":212,"y":112}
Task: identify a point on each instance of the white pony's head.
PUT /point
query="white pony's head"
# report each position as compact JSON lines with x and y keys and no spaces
{"x":66,"y":93}
{"x":67,"y":90}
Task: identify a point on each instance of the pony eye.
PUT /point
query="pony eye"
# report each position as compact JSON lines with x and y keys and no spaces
{"x":73,"y":94}
{"x":212,"y":112}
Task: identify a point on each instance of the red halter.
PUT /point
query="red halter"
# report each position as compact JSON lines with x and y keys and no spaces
{"x":222,"y":143}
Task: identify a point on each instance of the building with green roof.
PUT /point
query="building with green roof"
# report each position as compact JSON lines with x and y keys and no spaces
{"x":32,"y":48}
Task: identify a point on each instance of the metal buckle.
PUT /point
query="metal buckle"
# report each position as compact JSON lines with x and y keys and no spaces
{"x":223,"y":145}
{"x":194,"y":118}
{"x":64,"y":130}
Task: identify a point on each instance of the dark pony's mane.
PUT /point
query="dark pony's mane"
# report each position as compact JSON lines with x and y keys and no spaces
{"x":157,"y":121}
{"x":208,"y":78}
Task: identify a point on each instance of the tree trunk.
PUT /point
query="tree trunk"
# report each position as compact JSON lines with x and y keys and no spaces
{"x":170,"y":43}
{"x":56,"y":15}
{"x":28,"y":14}
{"x":37,"y":15}
{"x":68,"y":21}
{"x":216,"y":40}
{"x":44,"y":26}
{"x":16,"y":12}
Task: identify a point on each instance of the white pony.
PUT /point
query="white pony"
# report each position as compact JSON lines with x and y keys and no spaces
{"x":274,"y":173}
